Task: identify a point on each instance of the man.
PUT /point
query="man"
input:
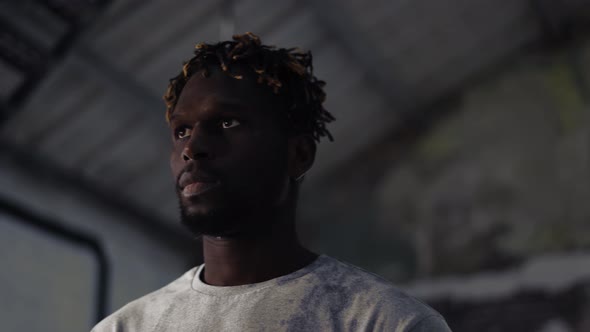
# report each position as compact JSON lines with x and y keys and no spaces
{"x":245,"y":119}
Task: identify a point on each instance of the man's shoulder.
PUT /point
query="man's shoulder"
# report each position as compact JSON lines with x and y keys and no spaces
{"x":360,"y":282}
{"x":378,"y":296}
{"x":138,"y":315}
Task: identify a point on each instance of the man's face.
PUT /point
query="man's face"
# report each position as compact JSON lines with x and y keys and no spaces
{"x":229,"y":155}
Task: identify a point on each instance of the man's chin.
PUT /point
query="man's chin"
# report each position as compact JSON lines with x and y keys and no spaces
{"x":211,"y":222}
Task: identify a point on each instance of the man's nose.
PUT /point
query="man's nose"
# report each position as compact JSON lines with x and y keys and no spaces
{"x":188,"y":154}
{"x":199,"y":144}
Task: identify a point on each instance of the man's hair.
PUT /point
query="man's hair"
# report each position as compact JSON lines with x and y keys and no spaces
{"x":289,"y":72}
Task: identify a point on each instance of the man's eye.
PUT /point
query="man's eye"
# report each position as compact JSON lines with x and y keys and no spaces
{"x":183,"y":132}
{"x":229,"y":123}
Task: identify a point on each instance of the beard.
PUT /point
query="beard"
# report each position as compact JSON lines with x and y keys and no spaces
{"x":235,"y":221}
{"x":213,"y":223}
{"x":235,"y":213}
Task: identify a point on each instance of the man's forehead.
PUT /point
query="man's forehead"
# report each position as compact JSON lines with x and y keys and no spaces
{"x":221,"y":85}
{"x":206,"y":104}
{"x":210,"y":91}
{"x":219,"y":89}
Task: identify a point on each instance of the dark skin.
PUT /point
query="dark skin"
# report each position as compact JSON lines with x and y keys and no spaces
{"x":235,"y":163}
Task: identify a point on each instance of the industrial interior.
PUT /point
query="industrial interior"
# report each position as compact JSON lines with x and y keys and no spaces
{"x":459,"y":170}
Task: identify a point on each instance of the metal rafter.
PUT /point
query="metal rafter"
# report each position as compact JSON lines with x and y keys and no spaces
{"x":77,"y":15}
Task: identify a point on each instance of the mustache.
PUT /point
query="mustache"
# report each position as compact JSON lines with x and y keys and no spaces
{"x":194,"y":173}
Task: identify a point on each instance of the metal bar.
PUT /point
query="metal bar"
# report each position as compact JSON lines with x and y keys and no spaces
{"x":18,"y":50}
{"x":53,"y":9}
{"x":126,"y":9}
{"x":73,"y":12}
{"x":59,"y":230}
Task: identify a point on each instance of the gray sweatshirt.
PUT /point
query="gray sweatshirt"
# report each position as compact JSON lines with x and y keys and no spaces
{"x":326,"y":295}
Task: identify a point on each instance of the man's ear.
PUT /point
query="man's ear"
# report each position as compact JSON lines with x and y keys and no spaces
{"x":302,"y":150}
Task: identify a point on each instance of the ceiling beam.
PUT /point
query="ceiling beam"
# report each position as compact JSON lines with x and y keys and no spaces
{"x":122,"y":80}
{"x":55,"y":55}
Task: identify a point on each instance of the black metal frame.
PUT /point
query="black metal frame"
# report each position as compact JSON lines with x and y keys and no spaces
{"x":60,"y":231}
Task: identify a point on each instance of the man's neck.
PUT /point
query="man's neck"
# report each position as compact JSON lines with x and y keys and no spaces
{"x":232,"y":261}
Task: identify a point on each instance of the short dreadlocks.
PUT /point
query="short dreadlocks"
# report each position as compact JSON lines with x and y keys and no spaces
{"x":288,"y":72}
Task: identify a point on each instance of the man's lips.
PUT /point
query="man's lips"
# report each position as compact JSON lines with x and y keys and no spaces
{"x":198,"y":188}
{"x":191,"y":184}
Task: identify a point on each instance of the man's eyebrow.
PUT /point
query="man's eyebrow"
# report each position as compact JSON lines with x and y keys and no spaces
{"x":230,"y":103}
{"x":226,"y":103}
{"x":172,"y":117}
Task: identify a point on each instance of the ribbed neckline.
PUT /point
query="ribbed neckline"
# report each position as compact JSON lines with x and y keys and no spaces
{"x":199,"y":286}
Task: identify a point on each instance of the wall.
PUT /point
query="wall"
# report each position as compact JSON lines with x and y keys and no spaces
{"x":502,"y":179}
{"x":50,"y":285}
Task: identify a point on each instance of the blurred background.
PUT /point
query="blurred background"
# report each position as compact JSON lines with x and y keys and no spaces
{"x":460,"y":168}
